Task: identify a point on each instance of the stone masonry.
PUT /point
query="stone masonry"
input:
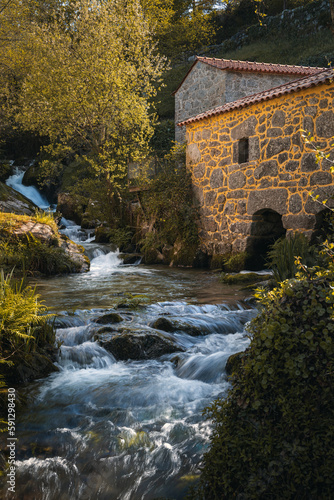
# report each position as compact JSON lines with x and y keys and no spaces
{"x":206,"y":86}
{"x":278,"y":172}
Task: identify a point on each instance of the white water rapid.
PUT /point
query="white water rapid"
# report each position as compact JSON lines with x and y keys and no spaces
{"x":30,"y":192}
{"x":133,"y":429}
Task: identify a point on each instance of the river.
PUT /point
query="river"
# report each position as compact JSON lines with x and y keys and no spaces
{"x":126,"y":430}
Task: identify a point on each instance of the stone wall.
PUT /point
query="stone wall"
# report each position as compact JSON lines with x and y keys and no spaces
{"x":207,"y":87}
{"x":203,"y":89}
{"x":240,"y":85}
{"x":277,"y":178}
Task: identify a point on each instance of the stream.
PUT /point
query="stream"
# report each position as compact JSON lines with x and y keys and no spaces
{"x":125,"y":430}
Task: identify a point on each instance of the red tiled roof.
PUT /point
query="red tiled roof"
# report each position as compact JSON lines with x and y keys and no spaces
{"x":229,"y":64}
{"x":324,"y":76}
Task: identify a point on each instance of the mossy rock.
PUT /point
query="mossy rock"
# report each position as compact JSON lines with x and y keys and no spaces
{"x":71,"y":206}
{"x":170,"y":326}
{"x":5,"y":170}
{"x":30,"y":366}
{"x":31,"y":175}
{"x":102,"y":234}
{"x":152,"y":256}
{"x":109,"y":318}
{"x":243,"y":278}
{"x":130,"y":258}
{"x":139,"y":345}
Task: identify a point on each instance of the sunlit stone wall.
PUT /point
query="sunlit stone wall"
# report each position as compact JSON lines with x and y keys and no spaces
{"x":279,"y":175}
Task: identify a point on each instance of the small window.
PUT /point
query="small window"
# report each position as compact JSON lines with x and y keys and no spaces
{"x":243,"y":155}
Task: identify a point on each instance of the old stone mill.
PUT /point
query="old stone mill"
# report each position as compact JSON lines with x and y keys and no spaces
{"x":255,"y":176}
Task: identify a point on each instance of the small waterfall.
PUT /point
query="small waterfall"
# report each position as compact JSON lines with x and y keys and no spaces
{"x":30,"y":192}
{"x":125,"y":430}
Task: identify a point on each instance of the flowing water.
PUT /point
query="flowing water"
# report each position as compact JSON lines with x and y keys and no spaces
{"x":126,"y":430}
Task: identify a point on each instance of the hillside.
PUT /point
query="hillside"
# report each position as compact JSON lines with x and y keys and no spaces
{"x":301,"y":36}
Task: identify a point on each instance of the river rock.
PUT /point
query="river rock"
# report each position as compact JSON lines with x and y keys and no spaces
{"x":76,"y":254}
{"x":139,"y":345}
{"x":71,"y":206}
{"x":130,"y":258}
{"x":13,"y":202}
{"x":42,"y":232}
{"x":167,"y":325}
{"x":109,"y":318}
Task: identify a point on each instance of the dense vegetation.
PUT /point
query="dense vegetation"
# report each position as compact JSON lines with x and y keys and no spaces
{"x":25,"y":253}
{"x":26,"y":336}
{"x":168,"y":210}
{"x":273,"y":435}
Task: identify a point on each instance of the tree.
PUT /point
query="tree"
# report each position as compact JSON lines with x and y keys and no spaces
{"x":90,"y":80}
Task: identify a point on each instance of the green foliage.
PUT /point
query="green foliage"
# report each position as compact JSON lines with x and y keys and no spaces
{"x":163,"y":137}
{"x":167,"y":205}
{"x":27,"y":253}
{"x":283,"y":254}
{"x":87,"y":73}
{"x":235,"y":262}
{"x":273,"y":435}
{"x":121,"y":237}
{"x":27,"y":335}
{"x":24,"y":320}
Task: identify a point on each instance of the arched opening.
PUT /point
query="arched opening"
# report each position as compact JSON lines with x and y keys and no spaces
{"x":266,"y":228}
{"x":324,"y":227}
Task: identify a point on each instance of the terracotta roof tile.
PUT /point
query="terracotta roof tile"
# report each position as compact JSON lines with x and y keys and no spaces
{"x":229,"y":64}
{"x":281,"y":69}
{"x":323,"y":76}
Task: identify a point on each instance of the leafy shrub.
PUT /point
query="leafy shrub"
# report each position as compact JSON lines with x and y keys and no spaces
{"x":21,"y":315}
{"x":168,"y":207}
{"x":283,"y":253}
{"x":235,"y":262}
{"x":121,"y":237}
{"x":274,"y":434}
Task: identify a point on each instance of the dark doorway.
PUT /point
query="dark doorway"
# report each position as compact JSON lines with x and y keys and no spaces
{"x":266,"y":228}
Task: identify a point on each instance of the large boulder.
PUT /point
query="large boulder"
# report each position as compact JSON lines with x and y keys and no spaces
{"x":71,"y":206}
{"x":75,"y":252}
{"x":139,"y":345}
{"x":15,"y":203}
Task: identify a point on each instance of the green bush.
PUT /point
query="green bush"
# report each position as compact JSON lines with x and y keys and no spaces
{"x":168,"y":207}
{"x":235,"y":262}
{"x":283,"y":253}
{"x":274,"y":434}
{"x":34,"y":256}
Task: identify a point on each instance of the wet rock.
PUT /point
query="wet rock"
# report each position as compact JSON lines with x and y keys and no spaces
{"x":81,"y":263}
{"x":163,"y":324}
{"x":130,"y":258}
{"x":138,"y":345}
{"x":109,"y":318}
{"x":13,"y":202}
{"x":171,"y":326}
{"x":72,"y":207}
